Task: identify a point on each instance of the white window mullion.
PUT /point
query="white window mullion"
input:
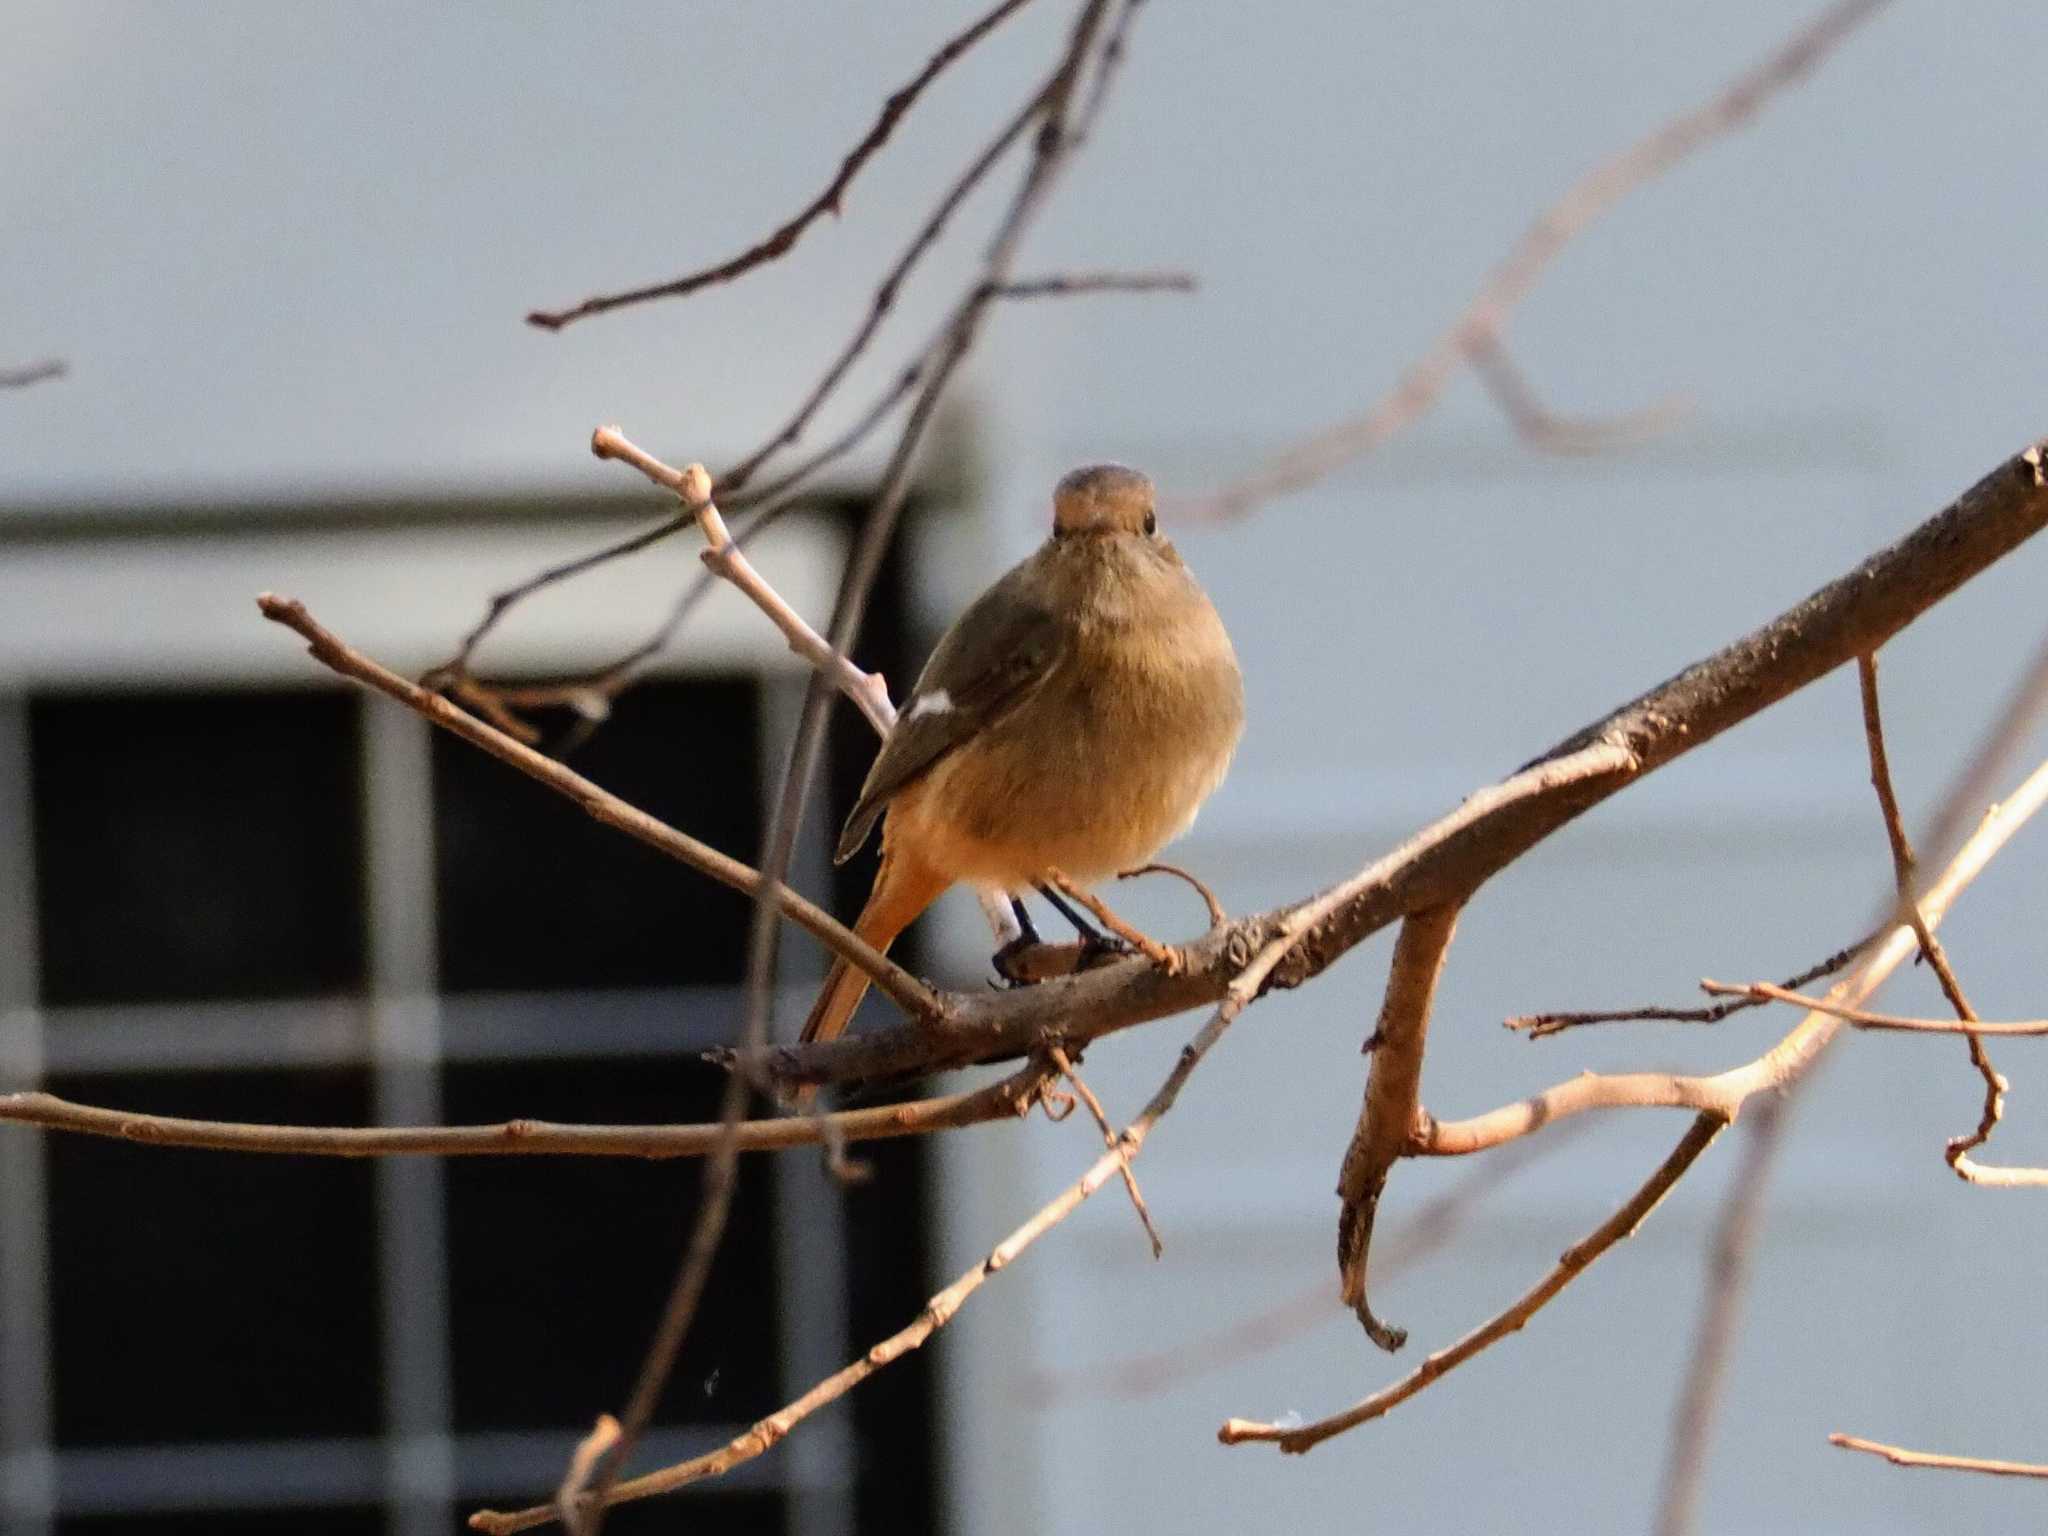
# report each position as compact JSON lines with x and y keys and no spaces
{"x":405,"y":1034}
{"x":810,"y":1218}
{"x":28,"y":1478}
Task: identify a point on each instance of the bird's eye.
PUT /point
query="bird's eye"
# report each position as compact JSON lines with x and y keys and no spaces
{"x":1151,"y":524}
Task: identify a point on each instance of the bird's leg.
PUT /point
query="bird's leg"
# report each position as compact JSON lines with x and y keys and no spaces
{"x":1024,"y":936}
{"x":1093,"y":940}
{"x":1122,"y":938}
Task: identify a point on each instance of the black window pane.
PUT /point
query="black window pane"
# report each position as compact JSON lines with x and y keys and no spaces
{"x":889,"y":1279}
{"x":196,"y":845}
{"x":561,"y":1265}
{"x":702,"y":1511}
{"x":359,"y":1521}
{"x":535,"y":894}
{"x":199,"y":1296}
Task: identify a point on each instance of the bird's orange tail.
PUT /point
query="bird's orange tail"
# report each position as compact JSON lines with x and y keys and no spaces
{"x":904,"y":887}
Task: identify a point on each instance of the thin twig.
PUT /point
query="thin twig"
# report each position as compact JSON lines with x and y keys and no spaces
{"x":1764,"y":992}
{"x":1729,"y":1263}
{"x":1539,"y":1026}
{"x":1072,"y":1074}
{"x":1003,"y":1100}
{"x":1899,"y":1456}
{"x":1484,"y":319}
{"x":1958,"y":1150}
{"x":1217,"y":916}
{"x":582,"y":1461}
{"x":827,"y":201}
{"x":25,"y":374}
{"x":1069,"y":284}
{"x":457,"y":667}
{"x":692,"y":486}
{"x":1296,"y":1439}
{"x":1539,"y":426}
{"x":332,"y":652}
{"x":886,"y":292}
{"x":1165,"y":956}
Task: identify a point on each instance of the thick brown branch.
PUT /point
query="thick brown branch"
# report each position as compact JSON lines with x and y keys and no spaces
{"x":1386,"y":1120}
{"x":827,"y":201}
{"x":1452,"y":858}
{"x":1898,"y":1456}
{"x":1725,"y":1093}
{"x":904,"y":989}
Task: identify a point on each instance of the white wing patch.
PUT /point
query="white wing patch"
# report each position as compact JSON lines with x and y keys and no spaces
{"x":937,"y":702}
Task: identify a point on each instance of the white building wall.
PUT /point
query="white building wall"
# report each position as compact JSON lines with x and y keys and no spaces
{"x":287,"y":247}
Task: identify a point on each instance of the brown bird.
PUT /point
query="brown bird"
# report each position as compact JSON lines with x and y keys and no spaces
{"x":1074,"y":718}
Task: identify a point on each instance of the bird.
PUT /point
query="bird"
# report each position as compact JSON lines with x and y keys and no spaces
{"x":1073,"y":719}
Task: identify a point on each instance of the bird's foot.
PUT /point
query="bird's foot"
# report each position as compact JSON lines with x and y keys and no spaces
{"x":1010,"y":965}
{"x":1100,"y":948}
{"x":1026,"y":962}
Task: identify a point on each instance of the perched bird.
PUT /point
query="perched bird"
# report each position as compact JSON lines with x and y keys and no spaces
{"x":1074,"y":718}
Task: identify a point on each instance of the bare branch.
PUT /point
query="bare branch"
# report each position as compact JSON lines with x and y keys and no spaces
{"x":1003,"y":1100}
{"x":1165,"y":956}
{"x":1728,"y":1271}
{"x":827,"y":201}
{"x":455,"y":670}
{"x":1484,"y":319}
{"x":1621,"y":1224}
{"x":25,"y":374}
{"x":1072,"y":1074}
{"x":1070,"y":284}
{"x":1543,"y":428}
{"x":1958,"y":1150}
{"x":1386,"y":1120}
{"x":1725,"y":1093}
{"x":1430,"y":1229}
{"x":1898,"y":1456}
{"x":1764,"y":992}
{"x":1456,"y":855}
{"x":939,"y":1310}
{"x":331,"y":651}
{"x":1217,"y":916}
{"x":590,"y":1450}
{"x":692,"y":486}
{"x":1539,"y":1026}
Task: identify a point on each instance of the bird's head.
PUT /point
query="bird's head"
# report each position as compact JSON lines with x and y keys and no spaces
{"x":1104,"y":499}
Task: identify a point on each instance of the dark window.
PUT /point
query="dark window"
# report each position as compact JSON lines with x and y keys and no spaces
{"x":365,"y":1520}
{"x":204,"y":1297}
{"x":562,"y":1265}
{"x":533,"y":894}
{"x":202,"y":845}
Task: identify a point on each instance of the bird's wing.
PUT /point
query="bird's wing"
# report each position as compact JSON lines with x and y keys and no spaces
{"x":995,"y":654}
